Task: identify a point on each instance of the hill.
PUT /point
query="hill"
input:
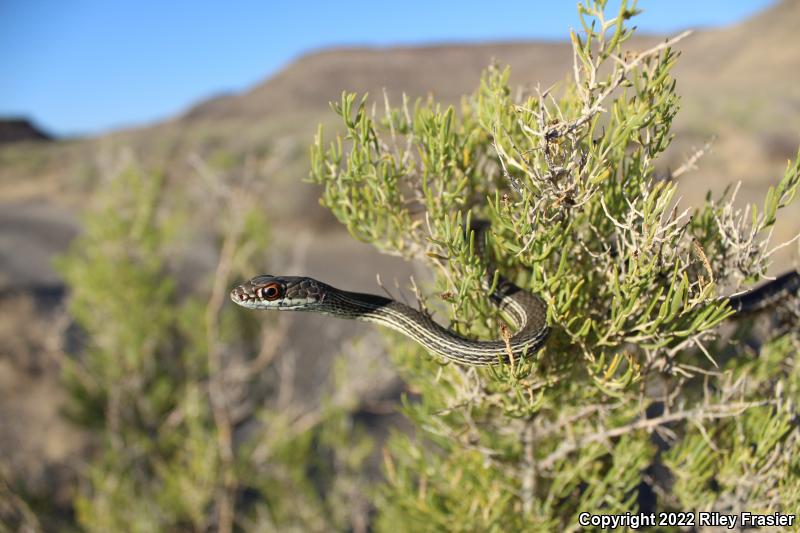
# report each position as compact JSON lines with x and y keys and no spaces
{"x":739,"y":85}
{"x":20,"y":129}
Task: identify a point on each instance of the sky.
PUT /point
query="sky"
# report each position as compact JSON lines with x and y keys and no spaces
{"x":86,"y":66}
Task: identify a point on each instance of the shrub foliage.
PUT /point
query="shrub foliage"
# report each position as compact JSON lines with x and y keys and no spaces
{"x":636,"y":403}
{"x":178,"y":385}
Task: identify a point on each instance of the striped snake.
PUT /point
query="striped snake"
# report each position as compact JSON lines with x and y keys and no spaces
{"x":526,"y":311}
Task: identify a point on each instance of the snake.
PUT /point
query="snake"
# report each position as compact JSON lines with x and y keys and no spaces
{"x":526,"y":311}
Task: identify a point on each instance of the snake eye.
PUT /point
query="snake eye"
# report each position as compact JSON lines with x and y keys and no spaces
{"x":270,"y":292}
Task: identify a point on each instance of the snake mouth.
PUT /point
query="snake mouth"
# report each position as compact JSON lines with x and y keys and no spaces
{"x":240,"y":295}
{"x":250,"y":301}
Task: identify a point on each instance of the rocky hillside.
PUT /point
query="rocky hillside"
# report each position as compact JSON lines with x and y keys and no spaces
{"x":738,"y":84}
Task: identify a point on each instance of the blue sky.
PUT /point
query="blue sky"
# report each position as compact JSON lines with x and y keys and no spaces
{"x":85,"y":66}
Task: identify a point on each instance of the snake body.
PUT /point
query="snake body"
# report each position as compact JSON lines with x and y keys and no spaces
{"x":766,"y":295}
{"x":526,"y":311}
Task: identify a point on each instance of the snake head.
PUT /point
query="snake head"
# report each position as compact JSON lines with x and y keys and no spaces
{"x":281,"y":293}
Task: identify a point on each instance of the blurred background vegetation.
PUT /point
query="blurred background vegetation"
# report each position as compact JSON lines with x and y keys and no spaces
{"x":135,"y":397}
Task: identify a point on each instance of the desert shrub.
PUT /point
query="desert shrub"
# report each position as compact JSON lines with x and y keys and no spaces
{"x":176,"y":384}
{"x":636,"y":403}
